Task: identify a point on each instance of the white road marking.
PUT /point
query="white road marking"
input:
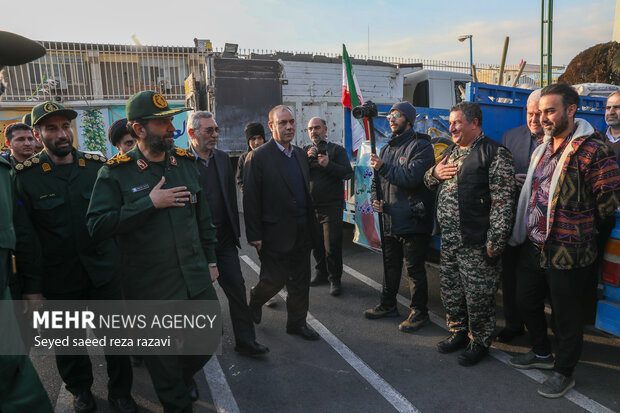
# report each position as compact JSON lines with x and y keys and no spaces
{"x":574,"y":396}
{"x":223,"y":398}
{"x":390,"y":394}
{"x":64,"y":402}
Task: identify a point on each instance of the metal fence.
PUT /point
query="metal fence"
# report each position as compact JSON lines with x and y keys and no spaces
{"x":86,"y":71}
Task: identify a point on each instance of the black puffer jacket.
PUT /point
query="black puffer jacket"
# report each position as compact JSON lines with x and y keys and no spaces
{"x":409,"y":205}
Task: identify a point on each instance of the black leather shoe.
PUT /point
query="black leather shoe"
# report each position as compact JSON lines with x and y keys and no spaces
{"x":123,"y":404}
{"x":318,"y":280}
{"x":256,"y":312}
{"x":335,"y":289}
{"x":193,"y":391}
{"x":453,"y":342}
{"x":473,"y":354}
{"x":507,"y":334}
{"x":304,"y":332}
{"x":251,"y":349}
{"x":84,"y":402}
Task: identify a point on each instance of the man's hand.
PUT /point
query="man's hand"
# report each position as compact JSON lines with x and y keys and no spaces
{"x":257,"y":244}
{"x":214,"y":273}
{"x":32,"y":302}
{"x":164,"y":198}
{"x":312,"y":152}
{"x":444,"y":170}
{"x":375,"y":162}
{"x":378,"y":206}
{"x":520,"y":178}
{"x":323,"y":160}
{"x":491,"y":253}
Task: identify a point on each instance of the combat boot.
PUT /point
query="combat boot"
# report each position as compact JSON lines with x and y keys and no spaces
{"x":380,"y":311}
{"x":414,"y":322}
{"x":453,"y":342}
{"x":473,"y":354}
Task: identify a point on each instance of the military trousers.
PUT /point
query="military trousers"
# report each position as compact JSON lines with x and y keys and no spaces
{"x":20,"y":387}
{"x":171,"y":375}
{"x":468,"y":285}
{"x":566,"y":289}
{"x":290,"y":269}
{"x":327,"y":250}
{"x":76,"y":370}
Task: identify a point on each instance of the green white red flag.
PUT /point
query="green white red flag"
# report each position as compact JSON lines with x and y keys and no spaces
{"x":351,"y":98}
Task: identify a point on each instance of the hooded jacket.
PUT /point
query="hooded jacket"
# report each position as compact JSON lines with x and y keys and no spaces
{"x":586,"y":189}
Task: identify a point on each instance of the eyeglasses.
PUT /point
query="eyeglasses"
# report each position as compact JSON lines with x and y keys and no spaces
{"x":394,"y":115}
{"x":210,"y":130}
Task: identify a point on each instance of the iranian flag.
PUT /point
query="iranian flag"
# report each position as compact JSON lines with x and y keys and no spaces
{"x":351,"y":97}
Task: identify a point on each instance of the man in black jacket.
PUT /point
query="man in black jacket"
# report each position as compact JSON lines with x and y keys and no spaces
{"x":329,"y":165}
{"x":216,"y":176}
{"x":407,"y":208}
{"x":279,"y":221}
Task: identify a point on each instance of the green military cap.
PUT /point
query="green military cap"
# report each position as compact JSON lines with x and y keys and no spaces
{"x":27,"y":119}
{"x":46,"y":109}
{"x":150,"y":105}
{"x":17,"y":50}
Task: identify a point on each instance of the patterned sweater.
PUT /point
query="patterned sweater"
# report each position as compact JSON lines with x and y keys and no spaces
{"x":585,"y":187}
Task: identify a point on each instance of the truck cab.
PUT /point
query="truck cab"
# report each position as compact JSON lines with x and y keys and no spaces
{"x":435,"y":88}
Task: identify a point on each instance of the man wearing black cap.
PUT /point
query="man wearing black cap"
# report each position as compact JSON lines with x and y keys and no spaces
{"x":407,"y":208}
{"x":20,"y":387}
{"x":54,"y":187}
{"x":150,"y":199}
{"x":255,"y":135}
{"x":120,"y":138}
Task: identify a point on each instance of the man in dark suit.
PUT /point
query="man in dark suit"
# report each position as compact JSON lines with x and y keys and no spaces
{"x":521,"y":141}
{"x":279,"y":221}
{"x":217,"y":177}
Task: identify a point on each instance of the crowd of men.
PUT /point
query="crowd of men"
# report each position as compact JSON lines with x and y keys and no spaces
{"x":531,"y":213}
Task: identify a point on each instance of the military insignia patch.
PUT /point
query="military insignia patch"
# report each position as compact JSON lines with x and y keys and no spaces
{"x":159,"y":101}
{"x":27,"y":163}
{"x":46,"y":167}
{"x":173,"y":161}
{"x":81,"y":162}
{"x":35,"y":160}
{"x":193,"y":199}
{"x":402,"y":160}
{"x":19,"y":166}
{"x":88,"y":156}
{"x":183,"y":153}
{"x":142,"y":164}
{"x":50,"y":107}
{"x":95,"y":157}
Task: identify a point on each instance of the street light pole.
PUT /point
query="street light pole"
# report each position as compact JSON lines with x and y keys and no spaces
{"x":471,"y":56}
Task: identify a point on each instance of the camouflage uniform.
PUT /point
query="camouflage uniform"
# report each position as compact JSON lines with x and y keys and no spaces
{"x":468,"y":283}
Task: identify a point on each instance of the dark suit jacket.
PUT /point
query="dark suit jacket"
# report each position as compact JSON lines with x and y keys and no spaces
{"x":517,"y":140}
{"x":229,"y":192}
{"x":268,"y":202}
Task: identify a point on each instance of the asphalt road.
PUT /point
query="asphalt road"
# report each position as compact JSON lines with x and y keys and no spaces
{"x":363,"y":365}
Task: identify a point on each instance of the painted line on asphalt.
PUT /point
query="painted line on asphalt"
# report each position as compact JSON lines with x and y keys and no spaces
{"x":223,"y":398}
{"x":397,"y":400}
{"x":574,"y":396}
{"x":64,"y":401}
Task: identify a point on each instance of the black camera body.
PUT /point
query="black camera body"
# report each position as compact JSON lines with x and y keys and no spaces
{"x":367,"y":110}
{"x":321,"y":148}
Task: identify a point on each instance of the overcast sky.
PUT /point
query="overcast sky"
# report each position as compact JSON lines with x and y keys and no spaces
{"x":420,"y":29}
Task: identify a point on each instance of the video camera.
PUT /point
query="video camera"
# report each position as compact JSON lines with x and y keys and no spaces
{"x":367,"y":110}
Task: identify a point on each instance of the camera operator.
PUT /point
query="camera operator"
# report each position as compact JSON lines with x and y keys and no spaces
{"x":329,"y":165}
{"x":407,"y":208}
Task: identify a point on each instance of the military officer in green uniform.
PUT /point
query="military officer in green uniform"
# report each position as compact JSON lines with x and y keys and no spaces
{"x":151,"y":200}
{"x":54,"y":188}
{"x":20,"y":387}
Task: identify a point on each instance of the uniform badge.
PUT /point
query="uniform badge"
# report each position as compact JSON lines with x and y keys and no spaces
{"x":35,"y":160}
{"x":159,"y":101}
{"x":402,"y":160}
{"x":140,"y":188}
{"x":88,"y":156}
{"x":81,"y":162}
{"x":19,"y":166}
{"x":95,"y":157}
{"x":46,"y":167}
{"x":27,"y":163}
{"x":142,"y":164}
{"x":193,"y":199}
{"x":173,"y":161}
{"x":50,"y":107}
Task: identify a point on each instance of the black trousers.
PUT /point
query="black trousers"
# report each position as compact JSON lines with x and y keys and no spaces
{"x":232,"y":282}
{"x":290,"y":269}
{"x":328,"y":249}
{"x":412,"y":249}
{"x":566,"y":289}
{"x":510,"y":259}
{"x":76,"y":371}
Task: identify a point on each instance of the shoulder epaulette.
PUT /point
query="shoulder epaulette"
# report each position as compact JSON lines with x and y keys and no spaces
{"x":183,"y":153}
{"x":118,"y":160}
{"x":27,"y":164}
{"x":95,"y":157}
